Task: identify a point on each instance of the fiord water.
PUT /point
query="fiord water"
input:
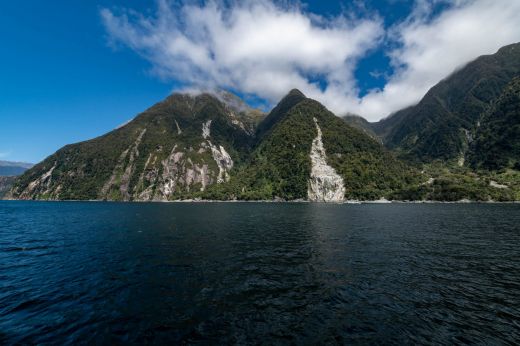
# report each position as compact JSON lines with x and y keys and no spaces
{"x":259,"y":273}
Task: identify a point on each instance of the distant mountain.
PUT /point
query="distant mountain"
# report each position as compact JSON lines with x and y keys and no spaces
{"x":8,"y":168}
{"x":441,"y":124}
{"x":5,"y":185}
{"x":497,"y":141}
{"x":361,"y":124}
{"x":176,"y":148}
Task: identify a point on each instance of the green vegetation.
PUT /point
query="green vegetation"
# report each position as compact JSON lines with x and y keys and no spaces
{"x":361,"y":124}
{"x":437,"y":127}
{"x":497,"y":141}
{"x":80,"y":171}
{"x":5,"y":185}
{"x":462,"y":141}
{"x":443,"y":183}
{"x":280,"y":165}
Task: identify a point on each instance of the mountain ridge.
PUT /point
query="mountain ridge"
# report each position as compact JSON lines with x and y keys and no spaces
{"x":197,"y":147}
{"x":13,"y":168}
{"x":458,"y":142}
{"x":436,"y":127}
{"x":168,"y":134}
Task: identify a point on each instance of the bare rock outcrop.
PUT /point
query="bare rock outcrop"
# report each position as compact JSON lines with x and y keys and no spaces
{"x":325,"y":185}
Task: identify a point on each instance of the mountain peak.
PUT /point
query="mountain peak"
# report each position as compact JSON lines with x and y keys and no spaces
{"x":282,"y":108}
{"x":295,"y":92}
{"x":291,"y":99}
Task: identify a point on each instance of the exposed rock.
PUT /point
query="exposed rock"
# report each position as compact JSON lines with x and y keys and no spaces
{"x":220,"y":155}
{"x":169,"y":174}
{"x":179,"y":131}
{"x":141,"y":176}
{"x":125,"y":179}
{"x":39,"y":186}
{"x":206,"y":129}
{"x":138,"y":162}
{"x":325,"y":185}
{"x":179,"y":173}
{"x":468,"y":135}
{"x":241,"y":126}
{"x":224,"y":162}
{"x":497,"y":185}
{"x":123,"y":170}
{"x":381,"y":201}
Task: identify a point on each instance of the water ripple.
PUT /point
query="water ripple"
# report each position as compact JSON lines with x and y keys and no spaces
{"x":249,"y":273}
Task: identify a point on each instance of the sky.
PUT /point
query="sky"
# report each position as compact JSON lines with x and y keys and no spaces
{"x":72,"y":70}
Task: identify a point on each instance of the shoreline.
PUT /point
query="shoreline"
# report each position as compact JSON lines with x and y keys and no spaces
{"x":198,"y":201}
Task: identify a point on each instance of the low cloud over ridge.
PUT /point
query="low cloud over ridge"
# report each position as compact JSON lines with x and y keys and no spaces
{"x":265,"y":50}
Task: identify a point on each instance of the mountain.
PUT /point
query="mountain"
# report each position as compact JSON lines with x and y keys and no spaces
{"x":8,"y":168}
{"x":440,"y":126}
{"x":174,"y":149}
{"x":305,"y":152}
{"x":497,"y":141}
{"x":279,"y":112}
{"x":361,"y":124}
{"x":210,"y":147}
{"x":5,"y":184}
{"x":8,"y":172}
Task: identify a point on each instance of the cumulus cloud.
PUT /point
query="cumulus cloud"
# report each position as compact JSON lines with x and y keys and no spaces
{"x":263,"y":49}
{"x":255,"y":47}
{"x":431,"y":49}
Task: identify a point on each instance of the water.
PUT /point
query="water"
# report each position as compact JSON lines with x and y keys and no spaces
{"x":252,"y":273}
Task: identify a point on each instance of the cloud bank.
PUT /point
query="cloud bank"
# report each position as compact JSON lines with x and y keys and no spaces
{"x":264,"y":49}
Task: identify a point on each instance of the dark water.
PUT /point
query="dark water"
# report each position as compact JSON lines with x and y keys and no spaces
{"x":222,"y":273}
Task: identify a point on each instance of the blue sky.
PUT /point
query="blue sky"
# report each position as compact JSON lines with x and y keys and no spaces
{"x":61,"y":83}
{"x":73,"y":70}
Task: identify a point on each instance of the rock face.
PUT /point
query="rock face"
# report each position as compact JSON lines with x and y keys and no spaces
{"x":224,"y":162}
{"x":219,"y":154}
{"x":41,"y":185}
{"x":325,"y":185}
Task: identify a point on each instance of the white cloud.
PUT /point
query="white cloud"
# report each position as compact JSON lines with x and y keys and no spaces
{"x":433,"y":49}
{"x":263,"y":49}
{"x":256,"y":47}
